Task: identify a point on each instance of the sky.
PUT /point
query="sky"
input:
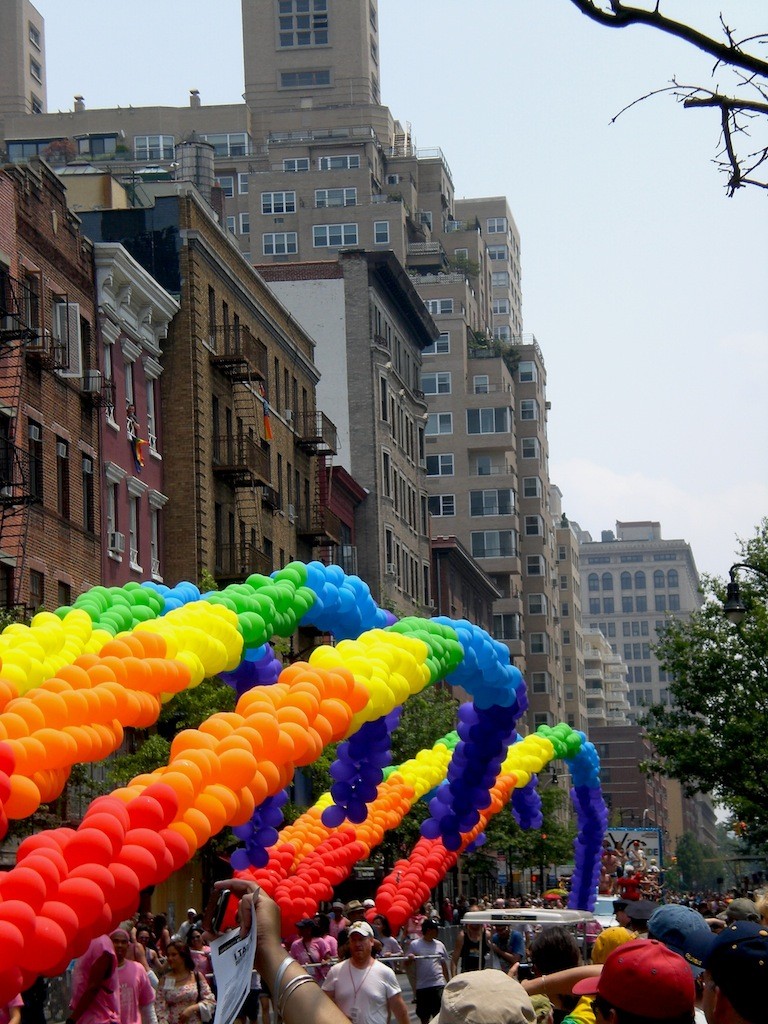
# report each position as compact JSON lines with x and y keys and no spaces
{"x":645,"y":286}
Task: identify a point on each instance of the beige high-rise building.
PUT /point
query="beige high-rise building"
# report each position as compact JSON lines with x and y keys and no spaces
{"x":23,"y":87}
{"x":312,"y":164}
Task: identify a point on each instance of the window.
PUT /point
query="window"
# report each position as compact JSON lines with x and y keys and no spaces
{"x":327,"y":197}
{"x":36,"y":104}
{"x":660,"y":603}
{"x":493,"y":543}
{"x":439,"y":307}
{"x":481,"y":384}
{"x":626,"y":604}
{"x":500,"y":307}
{"x":529,"y":409}
{"x":626,"y":581}
{"x":506,"y":627}
{"x":500,"y":279}
{"x":540,"y":682}
{"x":440,"y":465}
{"x":280,"y":243}
{"x":35,"y":69}
{"x":303,"y":22}
{"x":534,"y":526}
{"x":608,"y":606}
{"x":531,"y":487}
{"x":641,"y":603}
{"x":673,"y":580}
{"x":566,"y":637}
{"x":538,"y":643}
{"x":497,"y":225}
{"x":439,"y":423}
{"x":245,"y":223}
{"x":386,"y":468}
{"x":442,"y":505}
{"x":594,"y":606}
{"x":381,"y":232}
{"x":296,"y":165}
{"x":534,"y":565}
{"x":503,"y":333}
{"x":348,"y":162}
{"x":607,"y":581}
{"x":89,"y":517}
{"x":35,"y":436}
{"x":226,"y":183}
{"x":461,"y":254}
{"x":488,"y":421}
{"x":232,"y":225}
{"x":640,"y":580}
{"x":36,"y":588}
{"x":62,"y":478}
{"x":34,"y":36}
{"x":674,"y":602}
{"x":593,"y":581}
{"x":436,"y":383}
{"x":659,"y":579}
{"x":333,"y":235}
{"x":440,"y":347}
{"x":537,"y":604}
{"x":154,"y":147}
{"x":530,"y":448}
{"x":497,"y":252}
{"x":492,"y":502}
{"x":229,"y":144}
{"x":526,"y":372}
{"x":133,"y":531}
{"x":278,"y":202}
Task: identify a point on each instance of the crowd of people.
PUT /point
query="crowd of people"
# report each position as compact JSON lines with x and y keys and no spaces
{"x":670,"y":963}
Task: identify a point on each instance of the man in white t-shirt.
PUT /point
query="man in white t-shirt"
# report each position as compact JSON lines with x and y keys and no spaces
{"x":432,"y":972}
{"x":365,"y":990}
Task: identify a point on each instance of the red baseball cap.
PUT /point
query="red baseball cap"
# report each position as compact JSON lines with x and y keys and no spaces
{"x":644,"y":978}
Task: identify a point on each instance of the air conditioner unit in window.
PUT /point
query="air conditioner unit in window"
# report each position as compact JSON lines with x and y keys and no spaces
{"x":288,"y":415}
{"x":61,"y":449}
{"x":291,"y":513}
{"x":391,"y":569}
{"x":88,"y":467}
{"x":92,"y":382}
{"x":117,"y":542}
{"x":34,"y":432}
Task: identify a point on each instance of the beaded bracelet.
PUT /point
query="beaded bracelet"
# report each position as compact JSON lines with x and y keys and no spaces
{"x":289,"y":989}
{"x":280,"y":973}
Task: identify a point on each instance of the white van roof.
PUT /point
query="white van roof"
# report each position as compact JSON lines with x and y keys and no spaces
{"x":528,"y":915}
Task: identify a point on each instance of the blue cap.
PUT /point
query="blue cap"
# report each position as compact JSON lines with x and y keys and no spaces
{"x":738,"y":963}
{"x":677,"y":927}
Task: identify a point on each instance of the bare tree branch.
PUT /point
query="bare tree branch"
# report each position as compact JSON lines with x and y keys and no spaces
{"x":621,"y":15}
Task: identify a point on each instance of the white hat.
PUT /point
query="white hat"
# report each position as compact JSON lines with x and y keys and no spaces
{"x":361,"y":928}
{"x":369,"y":903}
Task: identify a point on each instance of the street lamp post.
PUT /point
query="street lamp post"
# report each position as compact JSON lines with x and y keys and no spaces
{"x":734,"y":608}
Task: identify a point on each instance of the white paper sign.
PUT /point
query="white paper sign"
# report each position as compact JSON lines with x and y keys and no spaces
{"x":232,"y":960}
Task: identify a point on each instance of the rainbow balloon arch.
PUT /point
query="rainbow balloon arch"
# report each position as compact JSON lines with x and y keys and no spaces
{"x":73,"y":680}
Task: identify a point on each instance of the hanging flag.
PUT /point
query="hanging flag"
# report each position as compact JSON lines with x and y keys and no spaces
{"x":137,"y":444}
{"x":265,"y":410}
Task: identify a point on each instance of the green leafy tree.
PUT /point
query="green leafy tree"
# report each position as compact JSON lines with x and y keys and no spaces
{"x":713,"y":736}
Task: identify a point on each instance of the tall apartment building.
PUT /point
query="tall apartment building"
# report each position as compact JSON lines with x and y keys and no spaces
{"x":23,"y":88}
{"x":631,"y":581}
{"x":312,"y":164}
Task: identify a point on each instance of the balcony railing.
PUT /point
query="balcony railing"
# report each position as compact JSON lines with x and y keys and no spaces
{"x":15,"y":476}
{"x":319,"y":525}
{"x":316,"y":433}
{"x":237,"y":561}
{"x":240,"y":461}
{"x":15,"y":319}
{"x":237,"y":353}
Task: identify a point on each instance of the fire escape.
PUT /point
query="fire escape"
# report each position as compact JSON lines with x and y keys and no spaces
{"x":21,"y":340}
{"x":242,"y":459}
{"x":318,"y":525}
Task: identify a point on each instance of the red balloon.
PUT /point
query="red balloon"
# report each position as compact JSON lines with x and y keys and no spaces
{"x":85,"y":898}
{"x":177,"y":847}
{"x":47,"y":947}
{"x":144,"y":812}
{"x":20,"y":914}
{"x":24,"y":884}
{"x":111,"y":826}
{"x":97,"y":873}
{"x":11,"y":981}
{"x":166,"y":797}
{"x":141,"y":861}
{"x":34,"y":843}
{"x":109,"y":805}
{"x":89,"y":846}
{"x":11,"y":941}
{"x":62,"y":914}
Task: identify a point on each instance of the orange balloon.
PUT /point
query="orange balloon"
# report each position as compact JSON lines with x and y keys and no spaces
{"x":153,"y":644}
{"x":24,"y":798}
{"x":28,"y":710}
{"x":291,"y":713}
{"x":8,"y":691}
{"x":237,"y":767}
{"x":77,"y":706}
{"x":226,"y":795}
{"x":189,"y":768}
{"x":302,"y":741}
{"x":15,"y":726}
{"x":115,"y":649}
{"x":324,"y":730}
{"x":139,"y":676}
{"x":52,"y":706}
{"x":252,"y":737}
{"x":216,"y":728}
{"x":337,"y":714}
{"x":213,"y":809}
{"x":266,"y":725}
{"x":182,"y":786}
{"x":187,"y":833}
{"x":100,"y":673}
{"x":117,"y":667}
{"x":60,"y":749}
{"x":53,"y":685}
{"x":199,"y":824}
{"x":189,"y":740}
{"x":246,"y":805}
{"x":259,"y":785}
